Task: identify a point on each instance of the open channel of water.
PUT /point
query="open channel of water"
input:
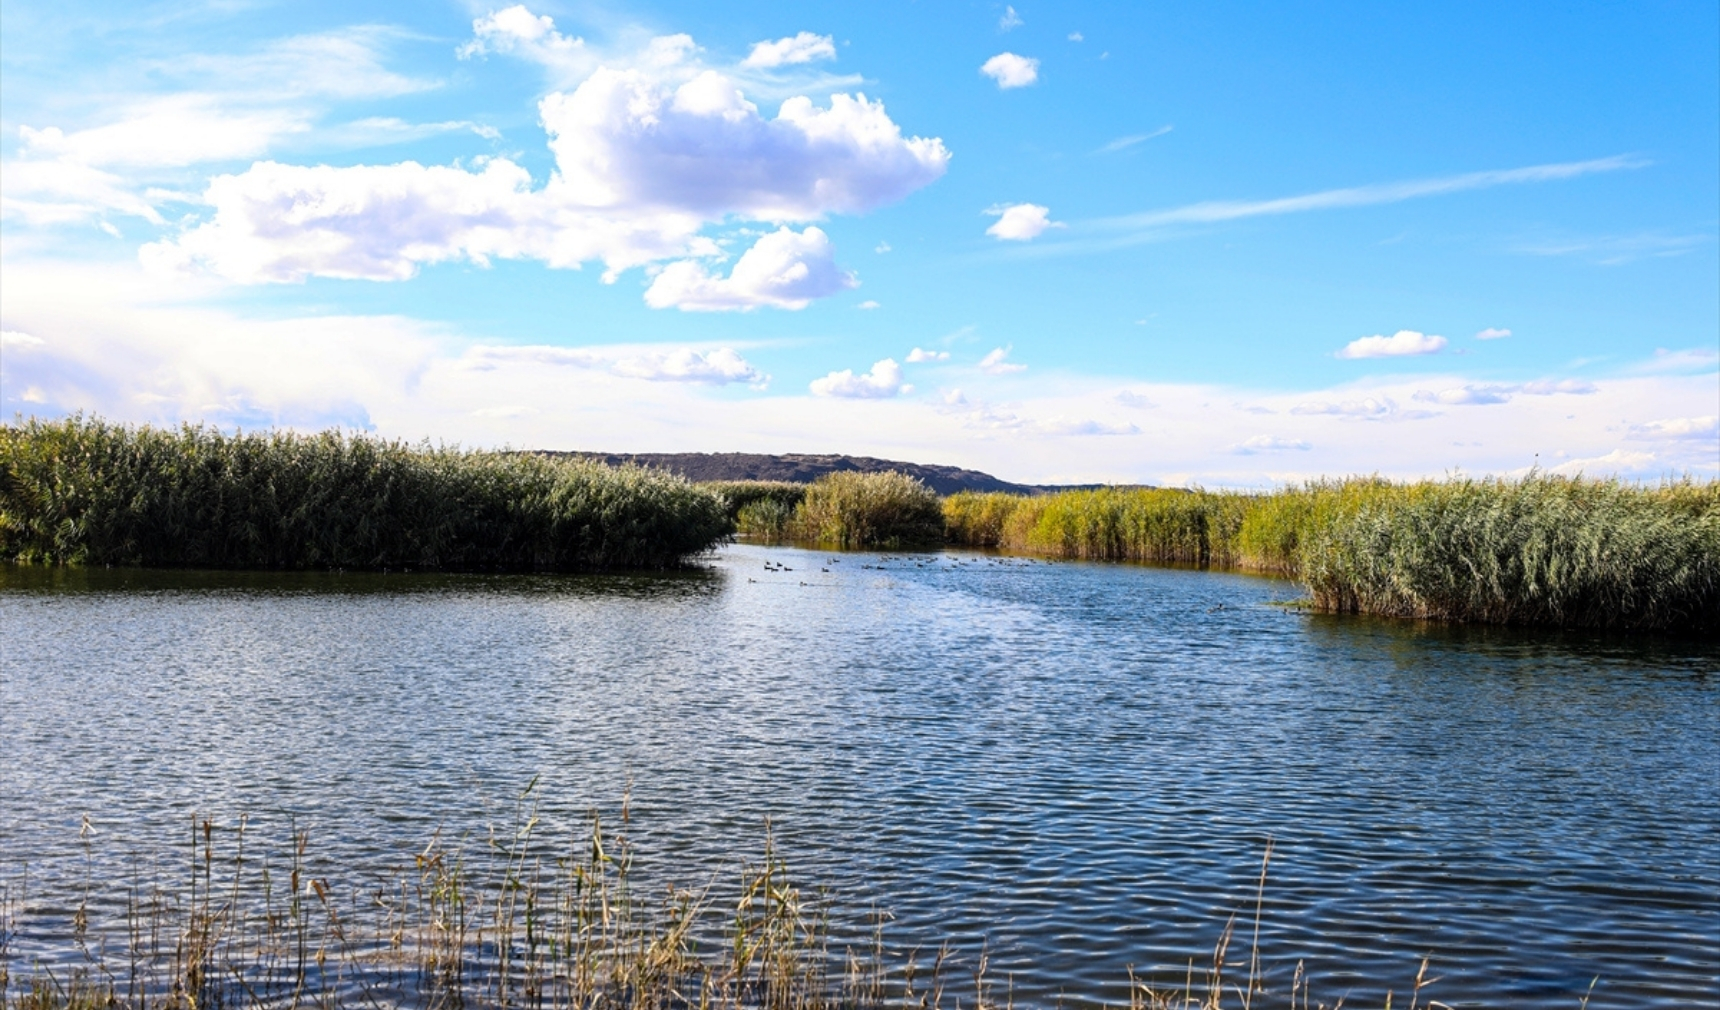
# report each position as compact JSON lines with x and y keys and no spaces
{"x":1076,"y":766}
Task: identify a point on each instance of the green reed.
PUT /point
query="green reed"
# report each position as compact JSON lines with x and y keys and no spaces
{"x":84,"y":491}
{"x":1543,"y":550}
{"x":761,"y":508}
{"x":515,"y":920}
{"x":889,"y":510}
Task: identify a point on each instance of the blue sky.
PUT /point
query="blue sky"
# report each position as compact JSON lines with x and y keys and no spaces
{"x":1225,"y":244}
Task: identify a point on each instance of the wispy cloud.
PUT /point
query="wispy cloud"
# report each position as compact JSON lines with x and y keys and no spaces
{"x":1612,"y":250}
{"x":1122,"y":143}
{"x":1101,"y":234}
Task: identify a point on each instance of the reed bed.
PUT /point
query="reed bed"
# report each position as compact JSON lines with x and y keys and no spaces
{"x":84,"y":491}
{"x":508,"y":921}
{"x":1543,"y":550}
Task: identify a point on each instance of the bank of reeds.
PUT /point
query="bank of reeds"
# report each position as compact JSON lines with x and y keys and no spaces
{"x":510,"y":921}
{"x":1543,"y":550}
{"x":84,"y":491}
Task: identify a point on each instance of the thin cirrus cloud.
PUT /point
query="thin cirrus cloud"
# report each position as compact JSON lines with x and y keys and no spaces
{"x":882,"y":382}
{"x":621,"y":193}
{"x":1124,"y":143}
{"x":1011,"y":71}
{"x":1020,"y":222}
{"x":1403,"y":343}
{"x":802,"y":48}
{"x":1010,"y":20}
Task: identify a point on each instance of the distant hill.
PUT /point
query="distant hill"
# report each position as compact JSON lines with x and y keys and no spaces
{"x":804,"y":469}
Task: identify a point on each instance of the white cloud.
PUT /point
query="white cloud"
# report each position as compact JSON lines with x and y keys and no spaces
{"x":881,"y":248}
{"x":868,"y":305}
{"x":1269,"y":443}
{"x":882,"y":382}
{"x":517,"y":30}
{"x":1677,"y":429}
{"x":1077,"y":37}
{"x":1129,"y":398}
{"x":1492,"y":333}
{"x":802,"y":48}
{"x":1010,"y":70}
{"x":16,"y":341}
{"x":1622,"y":462}
{"x":624,"y":191}
{"x":783,"y":269}
{"x":994,"y":363}
{"x":1020,"y":222}
{"x":1400,"y":344}
{"x":1010,"y":20}
{"x":918,"y":355}
{"x":717,"y":367}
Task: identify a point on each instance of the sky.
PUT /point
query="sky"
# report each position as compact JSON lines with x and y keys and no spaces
{"x":1216,"y":244}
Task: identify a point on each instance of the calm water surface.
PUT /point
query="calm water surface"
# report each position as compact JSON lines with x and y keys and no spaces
{"x":1076,"y":765}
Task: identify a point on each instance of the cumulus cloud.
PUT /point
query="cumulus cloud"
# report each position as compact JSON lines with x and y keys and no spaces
{"x":784,"y":269}
{"x":882,"y":382}
{"x":802,"y":48}
{"x":918,"y":355}
{"x":1269,"y":443}
{"x":1010,"y":20}
{"x":994,"y":363}
{"x":1011,"y":71}
{"x":645,"y":157}
{"x":1020,"y":222}
{"x":1694,"y":429}
{"x":1492,"y":333}
{"x":15,"y":340}
{"x":868,"y":305}
{"x":517,"y":30}
{"x":1403,"y":343}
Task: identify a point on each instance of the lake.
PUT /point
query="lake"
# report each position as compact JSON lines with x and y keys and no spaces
{"x":1077,"y":766}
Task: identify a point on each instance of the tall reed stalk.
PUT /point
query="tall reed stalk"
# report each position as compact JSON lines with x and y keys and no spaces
{"x":511,"y":920}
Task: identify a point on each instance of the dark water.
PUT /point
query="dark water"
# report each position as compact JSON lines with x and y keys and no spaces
{"x":1076,"y":765}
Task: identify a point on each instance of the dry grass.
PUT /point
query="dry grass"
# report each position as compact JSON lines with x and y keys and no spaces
{"x":509,"y":922}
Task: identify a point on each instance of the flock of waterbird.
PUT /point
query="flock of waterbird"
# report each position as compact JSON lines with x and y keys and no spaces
{"x":888,"y":562}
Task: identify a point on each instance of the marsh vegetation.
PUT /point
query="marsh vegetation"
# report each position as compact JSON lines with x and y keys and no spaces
{"x":1543,"y":550}
{"x":84,"y":491}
